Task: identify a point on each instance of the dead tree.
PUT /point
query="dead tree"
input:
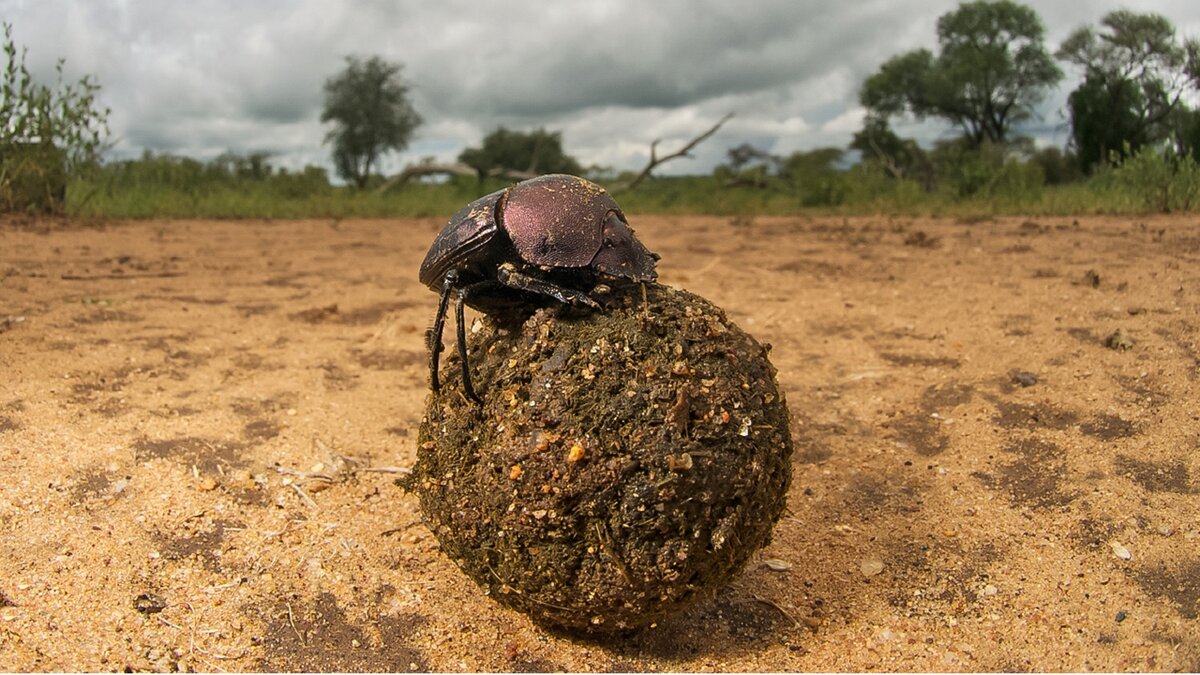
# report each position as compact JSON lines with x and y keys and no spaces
{"x":655,"y":160}
{"x":425,"y":169}
{"x":457,"y":169}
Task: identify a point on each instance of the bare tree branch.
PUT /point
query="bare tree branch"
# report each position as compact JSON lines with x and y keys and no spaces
{"x":425,"y":169}
{"x":456,"y":169}
{"x":655,"y":160}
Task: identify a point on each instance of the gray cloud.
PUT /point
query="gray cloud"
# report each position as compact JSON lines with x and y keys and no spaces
{"x":214,"y":75}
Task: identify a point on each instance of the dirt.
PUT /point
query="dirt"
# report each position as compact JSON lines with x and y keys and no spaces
{"x":201,"y":423}
{"x":621,"y":466}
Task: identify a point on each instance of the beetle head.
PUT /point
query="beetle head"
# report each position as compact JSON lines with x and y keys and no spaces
{"x":621,"y":254}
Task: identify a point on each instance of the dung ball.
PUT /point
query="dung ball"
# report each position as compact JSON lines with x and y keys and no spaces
{"x":624,"y":463}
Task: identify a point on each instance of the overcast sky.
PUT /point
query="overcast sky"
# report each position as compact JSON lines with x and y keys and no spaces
{"x":201,"y":77}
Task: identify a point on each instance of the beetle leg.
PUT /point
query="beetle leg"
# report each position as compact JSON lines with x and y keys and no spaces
{"x":509,"y":276}
{"x":462,"y":348}
{"x":433,"y":337}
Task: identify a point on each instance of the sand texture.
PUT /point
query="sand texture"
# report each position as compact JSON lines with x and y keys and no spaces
{"x":996,"y":428}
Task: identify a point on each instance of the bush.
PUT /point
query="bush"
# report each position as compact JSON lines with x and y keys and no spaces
{"x":1157,"y":179}
{"x":46,"y":135}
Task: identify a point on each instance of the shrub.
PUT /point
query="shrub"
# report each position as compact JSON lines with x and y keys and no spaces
{"x":1159,"y":179}
{"x":46,"y":135}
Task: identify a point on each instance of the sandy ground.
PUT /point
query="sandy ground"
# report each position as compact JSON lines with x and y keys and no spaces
{"x":985,"y":477}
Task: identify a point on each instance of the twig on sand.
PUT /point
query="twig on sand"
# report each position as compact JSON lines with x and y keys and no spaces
{"x":304,"y":495}
{"x":292,"y":623}
{"x":388,"y":469}
{"x":775,"y":605}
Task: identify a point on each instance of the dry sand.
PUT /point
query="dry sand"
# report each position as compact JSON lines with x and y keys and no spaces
{"x":168,"y":388}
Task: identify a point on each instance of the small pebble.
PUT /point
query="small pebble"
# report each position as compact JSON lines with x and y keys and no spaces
{"x":1119,"y":341}
{"x":681,"y":462}
{"x":1120,"y":551}
{"x":870,"y":567}
{"x":1023,"y":378}
{"x":777,"y":564}
{"x":149,"y":603}
{"x":1121,"y":616}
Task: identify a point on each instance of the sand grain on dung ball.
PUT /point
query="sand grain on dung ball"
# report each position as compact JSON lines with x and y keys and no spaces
{"x":624,"y":463}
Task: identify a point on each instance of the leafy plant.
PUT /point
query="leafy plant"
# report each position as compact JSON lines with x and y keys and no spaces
{"x":46,"y":134}
{"x":1161,"y":179}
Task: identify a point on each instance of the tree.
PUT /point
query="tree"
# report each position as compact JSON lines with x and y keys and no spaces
{"x":991,"y":70}
{"x":748,"y":166}
{"x":746,"y":155}
{"x":1105,"y":119}
{"x":46,"y":134}
{"x":520,"y":154}
{"x":1058,"y":167}
{"x":371,"y":114}
{"x":900,"y":157}
{"x":1185,"y":126}
{"x":1135,"y":72}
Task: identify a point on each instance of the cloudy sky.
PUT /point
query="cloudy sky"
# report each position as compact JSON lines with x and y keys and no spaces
{"x":201,"y":77}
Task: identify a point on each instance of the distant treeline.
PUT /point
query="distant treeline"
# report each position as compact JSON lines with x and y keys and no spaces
{"x":957,"y":180}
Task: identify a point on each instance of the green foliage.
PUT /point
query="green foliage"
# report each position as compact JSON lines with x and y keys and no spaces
{"x":747,"y":166}
{"x":1135,"y":73}
{"x":46,"y":134}
{"x":1058,"y":167}
{"x":811,"y":178}
{"x":1185,"y":130}
{"x":537,"y":151}
{"x":368,"y":105}
{"x":990,"y":71}
{"x":1155,"y":179}
{"x":814,"y":176}
{"x":1104,"y":120}
{"x":991,"y":170}
{"x":900,"y":157}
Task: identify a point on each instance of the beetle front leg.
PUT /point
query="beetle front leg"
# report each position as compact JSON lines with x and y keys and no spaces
{"x":508,"y":275}
{"x":433,"y":337}
{"x":462,"y":348}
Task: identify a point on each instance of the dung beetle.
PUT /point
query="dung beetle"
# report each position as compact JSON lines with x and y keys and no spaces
{"x":554,"y":238}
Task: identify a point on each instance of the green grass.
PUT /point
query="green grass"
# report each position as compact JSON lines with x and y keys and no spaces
{"x":693,"y":195}
{"x":257,"y":200}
